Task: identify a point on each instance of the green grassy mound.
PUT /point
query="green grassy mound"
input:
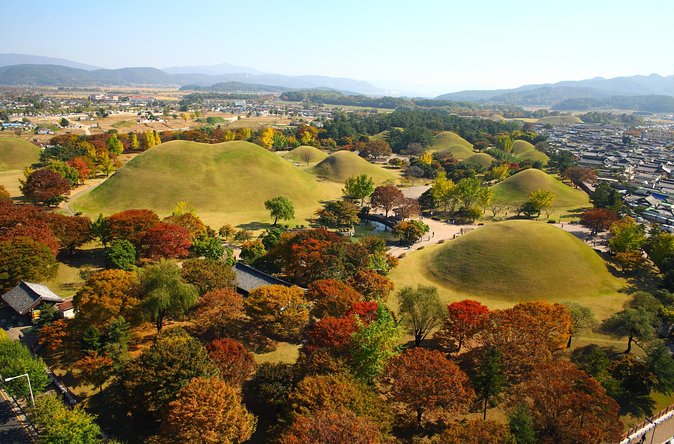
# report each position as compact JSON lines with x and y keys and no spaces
{"x":306,"y":154}
{"x":225,"y":182}
{"x":448,"y":141}
{"x":524,"y":150}
{"x":341,"y":165}
{"x":478,"y":161}
{"x":522,"y":146}
{"x":515,"y":189}
{"x":560,"y":120}
{"x":17,"y":153}
{"x":520,"y":260}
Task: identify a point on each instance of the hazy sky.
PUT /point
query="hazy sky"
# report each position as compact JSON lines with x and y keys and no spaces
{"x":440,"y":46}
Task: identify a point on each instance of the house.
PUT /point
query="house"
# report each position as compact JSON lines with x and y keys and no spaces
{"x":249,"y":278}
{"x":27,"y":297}
{"x":66,"y":309}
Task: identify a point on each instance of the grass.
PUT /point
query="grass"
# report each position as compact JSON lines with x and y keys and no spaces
{"x":73,"y":270}
{"x":341,"y":165}
{"x":10,"y":180}
{"x":306,"y":154}
{"x":460,"y":148}
{"x":285,"y":352}
{"x":124,"y":124}
{"x":560,"y":120}
{"x":516,"y":189}
{"x":524,"y":150}
{"x":521,"y":147}
{"x":478,"y":161}
{"x":17,"y":153}
{"x":225,"y":183}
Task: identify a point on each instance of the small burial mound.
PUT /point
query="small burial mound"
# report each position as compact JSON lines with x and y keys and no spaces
{"x":515,"y":190}
{"x":341,"y":165}
{"x":306,"y":154}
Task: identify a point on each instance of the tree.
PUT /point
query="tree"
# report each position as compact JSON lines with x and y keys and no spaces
{"x":332,"y":427}
{"x":52,"y":335}
{"x":207,"y":410}
{"x":45,"y":187}
{"x":635,"y":323}
{"x":541,"y":200}
{"x":64,"y":122}
{"x":83,"y":166}
{"x":422,"y":381}
{"x":59,"y":424}
{"x":38,"y":231}
{"x":568,"y":406}
{"x":71,"y":231}
{"x":660,"y":362}
{"x":375,"y":149}
{"x":165,"y":294}
{"x":121,"y":254}
{"x":16,"y":359}
{"x":598,"y":219}
{"x":251,"y":251}
{"x":270,"y":386}
{"x":117,"y":338}
{"x":386,"y":197}
{"x":331,"y":297}
{"x":209,"y":247}
{"x":165,"y":241}
{"x":626,"y":235}
{"x":153,"y":379}
{"x":129,"y":225}
{"x":372,"y":285}
{"x":280,"y":207}
{"x":183,"y":215}
{"x":279,"y":311}
{"x":208,"y":274}
{"x":219,"y":313}
{"x":582,"y":318}
{"x":234,"y":362}
{"x":489,"y":379}
{"x":420,"y":310}
{"x":521,"y":425}
{"x":115,"y":146}
{"x":443,"y":190}
{"x":266,"y":137}
{"x":358,"y":187}
{"x":69,"y":173}
{"x":410,"y":231}
{"x":464,"y":319}
{"x":330,"y":334}
{"x":372,"y":345}
{"x":134,"y":144}
{"x":338,"y":213}
{"x":4,"y":194}
{"x":106,"y":295}
{"x":475,"y":432}
{"x":95,"y":369}
{"x":579,"y":175}
{"x":23,"y":258}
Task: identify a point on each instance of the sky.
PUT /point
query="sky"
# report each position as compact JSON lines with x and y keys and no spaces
{"x":419,"y":45}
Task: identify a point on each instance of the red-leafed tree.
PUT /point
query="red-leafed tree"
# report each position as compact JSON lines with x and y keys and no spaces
{"x":129,"y":225}
{"x":190,"y":222}
{"x":38,"y":231}
{"x":366,"y":311}
{"x":71,"y":231}
{"x":598,"y":219}
{"x":332,"y":427}
{"x":95,"y":369}
{"x":423,"y":381}
{"x":45,"y":187}
{"x":165,"y":241}
{"x":332,"y":297}
{"x":82,"y":166}
{"x":579,"y":174}
{"x":333,"y":334}
{"x":387,"y":197}
{"x":234,"y":362}
{"x":464,"y":319}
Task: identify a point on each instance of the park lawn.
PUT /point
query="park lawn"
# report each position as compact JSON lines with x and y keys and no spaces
{"x":74,"y":270}
{"x":285,"y":352}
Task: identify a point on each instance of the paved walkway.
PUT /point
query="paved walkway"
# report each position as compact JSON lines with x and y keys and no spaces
{"x":660,"y":431}
{"x":13,"y":429}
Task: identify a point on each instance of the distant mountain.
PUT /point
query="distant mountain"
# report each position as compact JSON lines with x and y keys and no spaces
{"x":550,"y":94}
{"x":213,"y":70}
{"x":55,"y":75}
{"x":236,"y":87}
{"x":26,"y":59}
{"x":652,"y":103}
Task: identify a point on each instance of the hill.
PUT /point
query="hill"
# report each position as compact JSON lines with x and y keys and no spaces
{"x":17,"y":153}
{"x":27,"y":59}
{"x":524,"y":150}
{"x":515,"y":189}
{"x":306,"y":154}
{"x":520,"y":260}
{"x":478,"y":161}
{"x":235,"y":87}
{"x":448,"y":141}
{"x":560,"y":120}
{"x":225,"y":182}
{"x":653,"y":103}
{"x":341,"y":165}
{"x":522,"y":146}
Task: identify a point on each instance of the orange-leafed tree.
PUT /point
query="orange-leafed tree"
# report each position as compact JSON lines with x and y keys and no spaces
{"x":387,"y":197}
{"x":422,"y":381}
{"x":475,"y":431}
{"x":234,"y":362}
{"x":71,"y":231}
{"x":129,"y":225}
{"x":568,"y":406}
{"x":463,"y":321}
{"x":165,"y":240}
{"x":83,"y":167}
{"x":278,"y":311}
{"x":95,"y":369}
{"x":332,"y":297}
{"x":332,"y":427}
{"x":598,"y":219}
{"x":207,"y":410}
{"x":372,"y":285}
{"x":106,"y":295}
{"x":53,"y":335}
{"x":219,"y":313}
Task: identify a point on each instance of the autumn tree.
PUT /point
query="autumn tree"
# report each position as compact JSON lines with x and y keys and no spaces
{"x":251,"y":251}
{"x":425,"y":381}
{"x":188,"y":220}
{"x":106,"y":295}
{"x":442,"y":191}
{"x":420,"y":310}
{"x":338,"y":213}
{"x":331,"y":334}
{"x":95,"y":369}
{"x":279,"y":311}
{"x":280,"y":207}
{"x":23,"y":258}
{"x":332,"y":427}
{"x":598,"y":219}
{"x":153,"y":379}
{"x":71,"y":231}
{"x":83,"y":166}
{"x":463,"y":320}
{"x":115,"y":146}
{"x":133,"y":143}
{"x":129,"y":225}
{"x":475,"y":432}
{"x":208,"y":274}
{"x":375,"y":149}
{"x":358,"y":187}
{"x":374,"y":344}
{"x":579,"y":175}
{"x":568,"y":406}
{"x":331,"y":297}
{"x":410,"y":231}
{"x":165,"y":241}
{"x":38,"y":231}
{"x":266,"y":137}
{"x":540,"y":200}
{"x":386,"y":197}
{"x":165,"y":294}
{"x":234,"y":362}
{"x":46,"y":187}
{"x":52,"y":336}
{"x":372,"y":285}
{"x":207,"y":410}
{"x":488,"y":379}
{"x":219,"y":313}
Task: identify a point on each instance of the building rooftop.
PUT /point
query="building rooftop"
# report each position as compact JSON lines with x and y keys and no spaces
{"x":26,"y":296}
{"x":249,"y":278}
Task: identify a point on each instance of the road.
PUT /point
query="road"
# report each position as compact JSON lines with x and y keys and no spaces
{"x":12,"y":430}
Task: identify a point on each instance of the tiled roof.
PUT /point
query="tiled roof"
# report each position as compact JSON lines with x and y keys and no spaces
{"x":26,"y":296}
{"x":249,"y":278}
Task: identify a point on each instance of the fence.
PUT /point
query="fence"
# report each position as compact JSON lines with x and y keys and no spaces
{"x":645,"y":425}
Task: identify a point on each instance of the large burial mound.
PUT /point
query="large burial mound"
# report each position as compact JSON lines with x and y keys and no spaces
{"x":478,"y":161}
{"x":17,"y":153}
{"x":516,"y":189}
{"x":524,"y":150}
{"x":341,"y":165}
{"x":519,"y":260}
{"x":225,"y":182}
{"x":451,"y":142}
{"x":306,"y":154}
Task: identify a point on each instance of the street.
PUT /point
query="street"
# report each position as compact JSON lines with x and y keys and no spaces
{"x":11,"y":429}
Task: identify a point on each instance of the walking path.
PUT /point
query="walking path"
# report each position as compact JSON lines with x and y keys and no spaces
{"x":658,"y":429}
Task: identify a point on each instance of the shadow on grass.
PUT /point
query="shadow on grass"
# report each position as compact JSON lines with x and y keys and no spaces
{"x":253,"y":226}
{"x":94,"y":257}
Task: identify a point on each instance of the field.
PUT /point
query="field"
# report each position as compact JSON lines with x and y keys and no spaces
{"x":226,"y":183}
{"x":306,"y":154}
{"x":516,"y":189}
{"x":560,"y":120}
{"x":478,"y":161}
{"x":503,"y":263}
{"x":16,"y":154}
{"x":341,"y":165}
{"x":448,"y":141}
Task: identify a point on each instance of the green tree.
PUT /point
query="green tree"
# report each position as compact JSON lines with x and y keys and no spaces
{"x":420,"y":310}
{"x":489,"y":379}
{"x":23,"y":258}
{"x":121,"y":254}
{"x":522,"y":425}
{"x":165,"y":292}
{"x":358,"y":187}
{"x":372,"y":345}
{"x":115,"y":146}
{"x":58,"y":424}
{"x":661,"y":364}
{"x":208,"y":247}
{"x":626,"y":235}
{"x":280,"y":207}
{"x":64,"y":122}
{"x":70,"y":174}
{"x":582,"y":318}
{"x":635,"y":323}
{"x":208,"y":274}
{"x":15,"y":359}
{"x":338,"y":213}
{"x":443,"y":190}
{"x":541,"y":200}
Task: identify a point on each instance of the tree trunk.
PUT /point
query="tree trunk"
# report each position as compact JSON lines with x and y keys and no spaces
{"x":419,"y":413}
{"x":629,"y":345}
{"x":568,"y":344}
{"x":484,"y":410}
{"x":159,"y":323}
{"x":275,"y":220}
